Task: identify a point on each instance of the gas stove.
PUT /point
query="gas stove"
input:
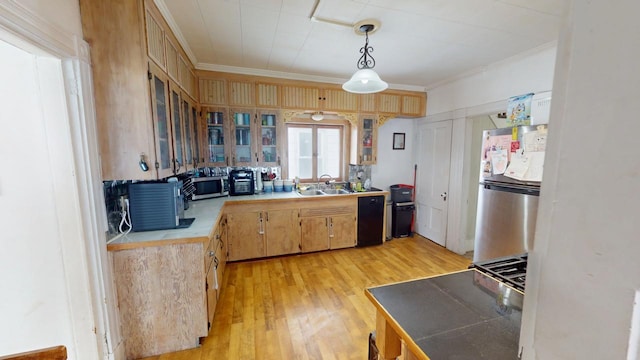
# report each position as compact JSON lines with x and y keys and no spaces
{"x":511,"y":270}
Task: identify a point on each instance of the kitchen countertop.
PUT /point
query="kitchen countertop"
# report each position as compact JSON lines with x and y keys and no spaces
{"x":206,"y":214}
{"x":463,"y":315}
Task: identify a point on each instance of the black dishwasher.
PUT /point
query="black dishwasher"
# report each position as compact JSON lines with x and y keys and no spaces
{"x":370,"y":220}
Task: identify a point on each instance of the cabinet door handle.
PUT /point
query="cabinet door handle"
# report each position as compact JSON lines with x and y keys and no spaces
{"x":330,"y":228}
{"x":261,"y":229}
{"x":212,"y":253}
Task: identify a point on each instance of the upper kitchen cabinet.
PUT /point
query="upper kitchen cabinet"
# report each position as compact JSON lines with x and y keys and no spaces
{"x":172,"y":59}
{"x":339,"y":100}
{"x":242,"y":93}
{"x":213,"y":92}
{"x":186,"y":77}
{"x":364,"y":140}
{"x":318,"y":98}
{"x":389,"y":103}
{"x":414,"y":105}
{"x":159,"y":88}
{"x":268,"y":95}
{"x":177,"y":126}
{"x":156,"y":40}
{"x":243,"y":128}
{"x":301,"y":97}
{"x":269,"y":139}
{"x":216,"y":127}
{"x":401,"y":104}
{"x":189,"y":137}
{"x":129,"y":41}
{"x":367,"y":103}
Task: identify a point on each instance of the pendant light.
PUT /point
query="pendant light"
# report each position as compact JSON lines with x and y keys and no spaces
{"x":365,"y":80}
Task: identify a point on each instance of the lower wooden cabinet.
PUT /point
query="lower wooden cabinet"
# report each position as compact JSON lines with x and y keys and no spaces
{"x":215,"y":259}
{"x":264,"y":229}
{"x":282,"y":231}
{"x":342,"y":231}
{"x":155,"y":320}
{"x":212,"y":294}
{"x":331,"y":232}
{"x":256,"y":234}
{"x":315,"y":234}
{"x":246,"y":235}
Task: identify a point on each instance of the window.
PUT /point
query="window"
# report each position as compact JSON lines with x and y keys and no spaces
{"x":315,"y":150}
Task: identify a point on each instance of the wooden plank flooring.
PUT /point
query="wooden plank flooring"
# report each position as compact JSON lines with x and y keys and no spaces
{"x":311,"y":306}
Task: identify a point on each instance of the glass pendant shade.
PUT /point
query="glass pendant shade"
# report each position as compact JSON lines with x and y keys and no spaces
{"x":365,"y":81}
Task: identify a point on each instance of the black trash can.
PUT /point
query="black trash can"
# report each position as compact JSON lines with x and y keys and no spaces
{"x":401,"y":219}
{"x":401,"y":193}
{"x":373,"y":349}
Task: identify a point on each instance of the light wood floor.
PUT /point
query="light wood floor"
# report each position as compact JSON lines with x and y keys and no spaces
{"x":311,"y":306}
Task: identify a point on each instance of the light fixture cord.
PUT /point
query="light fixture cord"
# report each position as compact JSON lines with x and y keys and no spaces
{"x":366,"y":61}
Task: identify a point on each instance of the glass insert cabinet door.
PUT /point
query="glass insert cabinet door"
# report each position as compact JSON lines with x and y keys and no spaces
{"x":188,"y":135}
{"x":242,"y":137}
{"x":160,"y":113}
{"x":268,"y":140}
{"x":367,"y":140}
{"x":196,"y":138}
{"x":176,"y":117}
{"x":216,"y":121}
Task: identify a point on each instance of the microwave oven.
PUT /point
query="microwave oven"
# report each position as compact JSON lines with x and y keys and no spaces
{"x":209,"y":187}
{"x":241,"y":182}
{"x":155,"y":205}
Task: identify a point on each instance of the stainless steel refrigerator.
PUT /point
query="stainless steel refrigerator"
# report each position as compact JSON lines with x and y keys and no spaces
{"x":510,"y":175}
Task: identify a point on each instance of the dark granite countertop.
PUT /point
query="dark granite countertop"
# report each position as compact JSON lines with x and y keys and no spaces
{"x":464,"y":315}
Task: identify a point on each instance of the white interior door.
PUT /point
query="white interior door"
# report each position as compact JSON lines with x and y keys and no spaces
{"x":432,"y":182}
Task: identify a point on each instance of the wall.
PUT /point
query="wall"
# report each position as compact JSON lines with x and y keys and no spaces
{"x":480,"y":93}
{"x":36,"y":305}
{"x":55,"y":290}
{"x":531,"y":71}
{"x":394,"y":166}
{"x":582,"y":284}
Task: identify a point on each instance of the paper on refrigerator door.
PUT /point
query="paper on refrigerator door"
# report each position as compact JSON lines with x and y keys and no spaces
{"x":518,"y":166}
{"x":499,"y":161}
{"x":526,"y":166}
{"x":535,"y":141}
{"x":536,"y":162}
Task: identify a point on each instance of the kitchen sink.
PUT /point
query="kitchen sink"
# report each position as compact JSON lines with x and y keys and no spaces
{"x":312,"y":192}
{"x":316,"y":192}
{"x":335,"y":191}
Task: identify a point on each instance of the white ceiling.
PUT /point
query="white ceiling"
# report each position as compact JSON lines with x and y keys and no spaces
{"x":420,"y":43}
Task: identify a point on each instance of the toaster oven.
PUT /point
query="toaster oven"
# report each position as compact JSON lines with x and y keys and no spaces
{"x":241,"y":182}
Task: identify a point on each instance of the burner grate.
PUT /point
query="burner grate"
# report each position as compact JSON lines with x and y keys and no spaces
{"x":511,"y":270}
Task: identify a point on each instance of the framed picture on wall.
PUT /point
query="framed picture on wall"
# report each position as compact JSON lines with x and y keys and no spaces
{"x":398,"y":141}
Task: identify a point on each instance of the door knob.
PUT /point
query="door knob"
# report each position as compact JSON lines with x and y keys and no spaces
{"x":444,"y":196}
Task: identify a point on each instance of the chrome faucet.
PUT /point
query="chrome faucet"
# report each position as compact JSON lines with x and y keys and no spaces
{"x":326,"y":182}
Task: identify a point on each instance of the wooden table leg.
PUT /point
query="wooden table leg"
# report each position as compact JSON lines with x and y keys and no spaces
{"x":387,"y":340}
